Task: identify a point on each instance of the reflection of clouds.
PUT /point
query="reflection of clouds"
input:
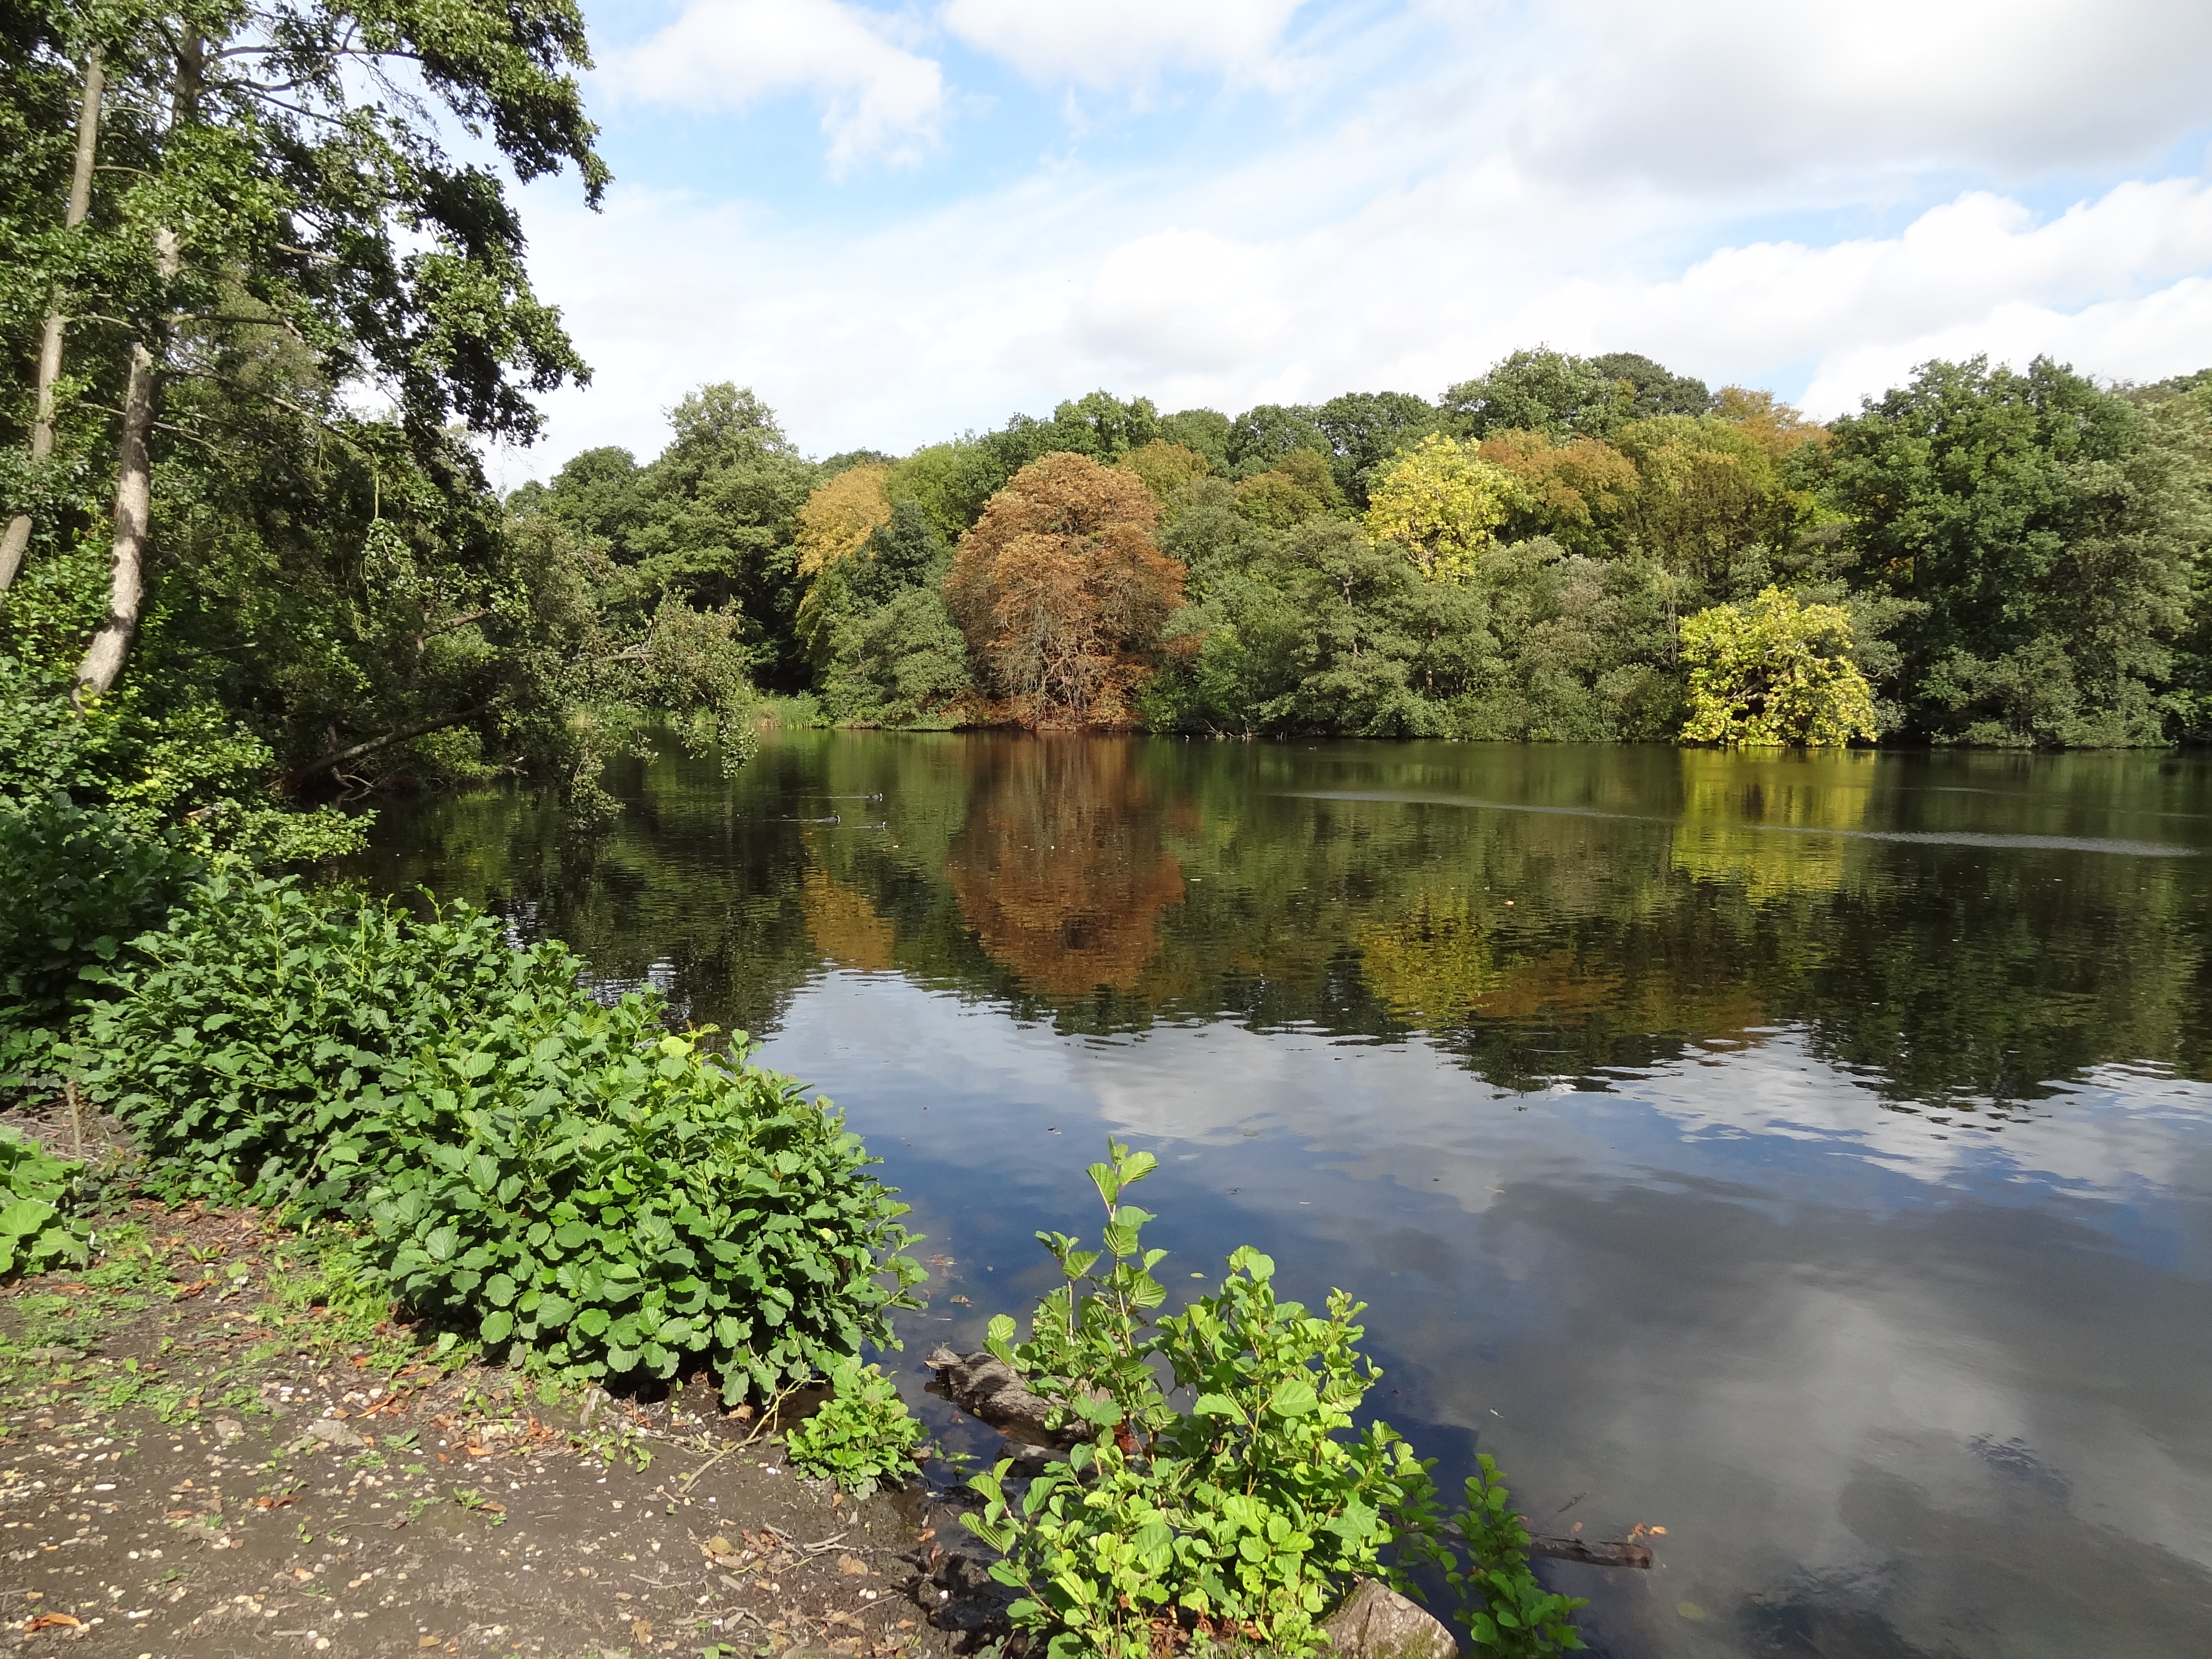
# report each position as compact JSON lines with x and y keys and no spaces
{"x":1736,"y":1297}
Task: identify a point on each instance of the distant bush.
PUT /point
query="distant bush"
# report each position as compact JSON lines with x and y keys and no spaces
{"x":529,"y":1164}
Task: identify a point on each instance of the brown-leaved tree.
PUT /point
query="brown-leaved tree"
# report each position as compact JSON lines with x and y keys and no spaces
{"x":1062,"y":592}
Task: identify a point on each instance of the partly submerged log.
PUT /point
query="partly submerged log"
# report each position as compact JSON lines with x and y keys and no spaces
{"x":1598,"y":1552}
{"x":991,"y":1391}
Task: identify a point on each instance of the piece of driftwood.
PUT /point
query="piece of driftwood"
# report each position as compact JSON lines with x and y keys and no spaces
{"x":989,"y":1391}
{"x":1599,"y":1553}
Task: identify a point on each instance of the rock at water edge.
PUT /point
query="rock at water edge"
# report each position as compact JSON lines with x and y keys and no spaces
{"x":1376,"y":1622}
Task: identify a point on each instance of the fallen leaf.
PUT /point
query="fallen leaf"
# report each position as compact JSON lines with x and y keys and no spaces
{"x":427,"y":1641}
{"x":641,"y":1628}
{"x":55,"y":1621}
{"x":189,"y":1291}
{"x":852,"y":1566}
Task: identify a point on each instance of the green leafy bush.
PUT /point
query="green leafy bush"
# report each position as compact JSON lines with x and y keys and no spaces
{"x":862,"y":1437}
{"x":530,"y":1164}
{"x":1246,"y":1517}
{"x":75,"y":886}
{"x":1248,"y":1514}
{"x":36,"y":1192}
{"x":616,"y":1199}
{"x":256,"y":1032}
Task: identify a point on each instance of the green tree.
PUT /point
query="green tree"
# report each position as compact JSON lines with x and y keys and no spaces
{"x":2047,"y":538}
{"x":1538,"y":390}
{"x":1103,"y":427}
{"x":1655,"y":388}
{"x":713,"y":521}
{"x":1262,"y":435}
{"x":1775,"y":674}
{"x":1205,"y":430}
{"x":1367,"y":431}
{"x":1712,"y":501}
{"x":271,"y":184}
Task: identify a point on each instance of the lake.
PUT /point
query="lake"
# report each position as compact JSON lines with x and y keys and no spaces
{"x":1811,"y":1156}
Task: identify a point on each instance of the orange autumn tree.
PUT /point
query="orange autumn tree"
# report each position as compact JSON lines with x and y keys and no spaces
{"x":1062,"y":592}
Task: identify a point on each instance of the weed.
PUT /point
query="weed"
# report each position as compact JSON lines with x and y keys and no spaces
{"x":476,"y":1503}
{"x":862,"y":1437}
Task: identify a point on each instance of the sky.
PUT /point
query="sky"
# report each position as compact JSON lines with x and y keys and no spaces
{"x":899,"y":222}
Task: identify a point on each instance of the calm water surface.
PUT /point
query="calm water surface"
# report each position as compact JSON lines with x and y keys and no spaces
{"x":1812,"y":1156}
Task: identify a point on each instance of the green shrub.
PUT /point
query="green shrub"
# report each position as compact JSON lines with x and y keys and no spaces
{"x":75,"y":886}
{"x":862,"y":1437}
{"x":1250,"y":1513}
{"x":252,"y":1039}
{"x":1501,"y":1603}
{"x":1247,"y":1515}
{"x":545,"y":1171}
{"x":615,"y":1198}
{"x":36,"y":1193}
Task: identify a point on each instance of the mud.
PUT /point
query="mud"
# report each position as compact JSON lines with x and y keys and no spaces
{"x":208,"y":1446}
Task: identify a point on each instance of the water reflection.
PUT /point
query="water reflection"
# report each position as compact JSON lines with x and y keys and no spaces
{"x":1060,"y":868}
{"x":1810,"y":1156}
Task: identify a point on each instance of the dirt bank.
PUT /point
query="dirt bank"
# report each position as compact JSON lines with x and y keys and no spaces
{"x":213,"y":1443}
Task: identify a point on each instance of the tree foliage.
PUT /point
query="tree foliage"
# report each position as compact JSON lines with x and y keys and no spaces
{"x":1062,"y":591}
{"x":1442,"y":504}
{"x":2047,"y":534}
{"x":1773,"y":674}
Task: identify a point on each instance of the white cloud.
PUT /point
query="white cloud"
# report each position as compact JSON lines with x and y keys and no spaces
{"x":1111,"y":43}
{"x":1737,"y":89}
{"x":879,"y":99}
{"x":958,"y":316}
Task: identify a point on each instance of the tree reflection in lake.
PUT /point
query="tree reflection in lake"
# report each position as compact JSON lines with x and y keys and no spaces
{"x":1809,"y":1154}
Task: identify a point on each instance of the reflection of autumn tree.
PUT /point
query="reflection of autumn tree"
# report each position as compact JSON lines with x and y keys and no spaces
{"x":1060,"y":591}
{"x":1429,"y":963}
{"x":846,"y":928}
{"x":1060,"y":870}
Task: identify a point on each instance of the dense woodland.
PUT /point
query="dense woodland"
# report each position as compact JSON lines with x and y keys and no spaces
{"x":259,"y":320}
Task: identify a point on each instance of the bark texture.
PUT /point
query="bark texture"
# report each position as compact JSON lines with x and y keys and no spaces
{"x":17,"y":538}
{"x":134,"y":503}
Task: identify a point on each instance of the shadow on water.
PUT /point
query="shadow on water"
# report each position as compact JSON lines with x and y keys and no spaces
{"x":1809,"y":1155}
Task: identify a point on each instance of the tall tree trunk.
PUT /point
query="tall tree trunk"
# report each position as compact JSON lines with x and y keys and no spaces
{"x":134,"y":473}
{"x":134,"y":501}
{"x":17,"y":539}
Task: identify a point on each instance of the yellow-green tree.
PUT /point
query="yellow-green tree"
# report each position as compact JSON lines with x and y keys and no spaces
{"x":1774,"y":674}
{"x":1443,"y":503}
{"x":839,"y":517}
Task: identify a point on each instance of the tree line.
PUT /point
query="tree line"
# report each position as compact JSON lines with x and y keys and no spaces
{"x":1561,"y":548}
